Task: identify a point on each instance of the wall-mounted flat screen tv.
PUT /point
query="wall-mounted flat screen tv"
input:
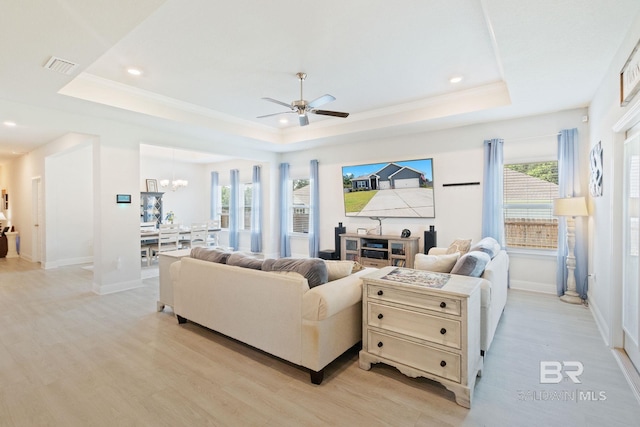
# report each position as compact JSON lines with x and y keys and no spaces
{"x":395,"y":189}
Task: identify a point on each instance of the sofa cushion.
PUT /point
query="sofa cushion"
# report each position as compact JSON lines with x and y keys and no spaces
{"x":488,"y":245}
{"x":436,"y":263}
{"x":313,"y":269}
{"x":213,"y":255}
{"x":338,"y":269}
{"x":471,"y":264}
{"x":334,"y":297}
{"x":247,"y":261}
{"x":459,"y":245}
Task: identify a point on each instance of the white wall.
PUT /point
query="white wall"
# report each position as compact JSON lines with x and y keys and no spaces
{"x":605,"y":293}
{"x":457,"y":157}
{"x":69,"y":202}
{"x":189,"y":204}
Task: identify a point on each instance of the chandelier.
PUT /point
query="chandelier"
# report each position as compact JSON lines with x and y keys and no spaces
{"x":173,"y":183}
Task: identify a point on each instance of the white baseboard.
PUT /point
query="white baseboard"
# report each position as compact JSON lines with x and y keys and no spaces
{"x":26,"y":257}
{"x":116,"y":287}
{"x":601,"y":323}
{"x":68,"y":261}
{"x":628,"y":370}
{"x":544,"y":288}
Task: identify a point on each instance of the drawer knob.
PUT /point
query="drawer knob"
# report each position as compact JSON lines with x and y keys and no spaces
{"x":443,"y":304}
{"x":443,"y":331}
{"x":443,"y":363}
{"x":380,"y":316}
{"x":380,"y":292}
{"x":380,"y":344}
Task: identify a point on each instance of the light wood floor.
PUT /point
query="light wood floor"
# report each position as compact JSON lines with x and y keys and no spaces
{"x":69,"y":357}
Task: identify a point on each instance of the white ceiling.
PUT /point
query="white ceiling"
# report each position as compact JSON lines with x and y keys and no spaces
{"x":206,"y":64}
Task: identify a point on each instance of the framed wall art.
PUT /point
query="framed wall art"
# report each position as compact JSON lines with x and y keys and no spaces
{"x":630,"y":77}
{"x":595,"y":170}
{"x":152,"y":185}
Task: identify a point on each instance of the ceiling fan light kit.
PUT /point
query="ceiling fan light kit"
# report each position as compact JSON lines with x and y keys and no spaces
{"x":301,"y":107}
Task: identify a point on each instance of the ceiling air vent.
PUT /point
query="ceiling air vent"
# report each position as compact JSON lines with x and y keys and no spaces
{"x":60,"y":65}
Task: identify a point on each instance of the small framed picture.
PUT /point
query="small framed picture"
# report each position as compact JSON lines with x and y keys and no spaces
{"x":152,"y":185}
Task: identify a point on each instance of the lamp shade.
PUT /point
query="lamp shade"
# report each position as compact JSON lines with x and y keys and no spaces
{"x":2,"y":217}
{"x":570,"y":206}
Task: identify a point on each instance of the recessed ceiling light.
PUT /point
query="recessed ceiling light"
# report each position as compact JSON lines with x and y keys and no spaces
{"x":284,"y":121}
{"x":9,"y":124}
{"x":455,"y":79}
{"x":134,"y":71}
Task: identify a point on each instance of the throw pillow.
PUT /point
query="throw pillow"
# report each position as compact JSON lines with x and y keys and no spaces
{"x":488,"y":245}
{"x":459,"y":245}
{"x":241,"y":260}
{"x":471,"y":264}
{"x":357,"y":267}
{"x":338,"y":269}
{"x":435,"y":263}
{"x":212,"y":255}
{"x":313,"y":269}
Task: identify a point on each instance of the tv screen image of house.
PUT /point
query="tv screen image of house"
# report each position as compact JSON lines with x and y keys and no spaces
{"x":402,"y":189}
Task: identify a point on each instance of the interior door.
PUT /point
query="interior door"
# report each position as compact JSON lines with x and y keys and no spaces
{"x":36,"y":219}
{"x":631,"y":249}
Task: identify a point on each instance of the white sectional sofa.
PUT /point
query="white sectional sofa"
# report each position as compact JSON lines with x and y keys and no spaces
{"x":493,"y":291}
{"x":272,"y":311}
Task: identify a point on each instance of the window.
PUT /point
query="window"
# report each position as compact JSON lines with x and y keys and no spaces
{"x":300,"y":206}
{"x":225,"y":198}
{"x":248,"y":193}
{"x":529,"y":190}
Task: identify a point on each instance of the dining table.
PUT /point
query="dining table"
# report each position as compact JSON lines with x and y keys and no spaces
{"x":148,"y":236}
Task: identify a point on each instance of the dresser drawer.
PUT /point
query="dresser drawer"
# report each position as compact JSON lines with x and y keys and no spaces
{"x":418,"y":325}
{"x":439,"y":304}
{"x":437,"y":362}
{"x":373,"y":262}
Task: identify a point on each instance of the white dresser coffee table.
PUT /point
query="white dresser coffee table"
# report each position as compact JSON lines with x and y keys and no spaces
{"x":424,"y":324}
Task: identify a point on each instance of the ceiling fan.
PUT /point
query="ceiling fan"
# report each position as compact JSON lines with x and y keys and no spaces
{"x":302,"y":107}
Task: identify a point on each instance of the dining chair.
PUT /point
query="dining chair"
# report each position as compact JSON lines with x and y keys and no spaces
{"x":212,"y":233}
{"x":168,"y":239}
{"x":145,"y":253}
{"x":146,"y":245}
{"x":199,"y":234}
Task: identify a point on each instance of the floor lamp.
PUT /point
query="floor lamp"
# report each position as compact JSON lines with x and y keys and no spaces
{"x":571,"y":207}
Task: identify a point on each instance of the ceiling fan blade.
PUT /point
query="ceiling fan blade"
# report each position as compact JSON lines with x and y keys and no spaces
{"x":278,"y":102}
{"x":330,"y":113}
{"x":324,"y":99}
{"x":304,"y":120}
{"x":275,"y":114}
